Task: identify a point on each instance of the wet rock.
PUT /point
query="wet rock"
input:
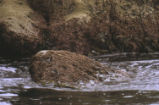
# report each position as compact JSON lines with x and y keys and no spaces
{"x":65,"y":68}
{"x":20,"y":28}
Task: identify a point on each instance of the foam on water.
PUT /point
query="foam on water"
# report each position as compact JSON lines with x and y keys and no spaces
{"x":5,"y":103}
{"x":143,"y":76}
{"x":8,"y":95}
{"x":10,"y":69}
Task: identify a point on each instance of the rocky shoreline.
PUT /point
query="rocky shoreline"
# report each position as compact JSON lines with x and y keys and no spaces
{"x":88,"y":27}
{"x":28,"y":26}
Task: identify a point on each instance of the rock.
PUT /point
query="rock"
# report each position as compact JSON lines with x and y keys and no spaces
{"x":20,"y":28}
{"x":65,"y":68}
{"x":104,"y":26}
{"x":101,"y":25}
{"x":66,"y":9}
{"x":67,"y":21}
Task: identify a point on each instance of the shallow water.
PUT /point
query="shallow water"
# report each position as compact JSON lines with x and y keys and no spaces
{"x":140,"y":88}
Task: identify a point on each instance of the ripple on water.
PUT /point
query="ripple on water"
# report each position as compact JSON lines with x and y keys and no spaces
{"x":144,"y":75}
{"x":8,"y":95}
{"x":11,"y":69}
{"x":5,"y":103}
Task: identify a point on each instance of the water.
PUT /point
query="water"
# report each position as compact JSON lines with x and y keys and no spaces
{"x":140,"y":88}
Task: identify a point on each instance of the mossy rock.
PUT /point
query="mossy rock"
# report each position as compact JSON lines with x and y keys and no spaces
{"x":20,"y":27}
{"x":65,"y":69}
{"x":65,"y":9}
